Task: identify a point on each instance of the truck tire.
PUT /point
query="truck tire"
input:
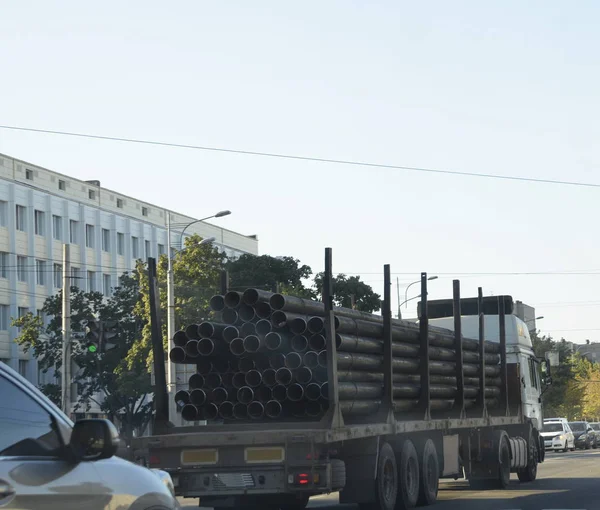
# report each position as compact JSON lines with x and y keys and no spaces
{"x":408,"y":476}
{"x":338,"y":474}
{"x":429,"y":475}
{"x":386,"y":482}
{"x":529,"y":472}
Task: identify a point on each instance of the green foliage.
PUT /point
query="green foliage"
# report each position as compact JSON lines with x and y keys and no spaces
{"x":120,"y":375}
{"x":347,"y":287}
{"x":269,"y":273}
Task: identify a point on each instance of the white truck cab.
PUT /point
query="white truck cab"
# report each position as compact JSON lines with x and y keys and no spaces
{"x":519,"y":348}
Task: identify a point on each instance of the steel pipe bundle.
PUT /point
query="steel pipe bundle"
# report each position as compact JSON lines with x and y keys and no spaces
{"x":266,"y":358}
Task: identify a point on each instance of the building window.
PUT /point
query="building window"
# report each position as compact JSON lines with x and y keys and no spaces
{"x":92,"y":194}
{"x":21,"y":218}
{"x":3,"y":213}
{"x":106,"y":285}
{"x":23,"y":367}
{"x":4,"y":317}
{"x":135,"y":247}
{"x":21,"y":268}
{"x":120,"y":243}
{"x":58,"y":275}
{"x":91,"y":281}
{"x":105,"y":239}
{"x":3,"y":264}
{"x":161,"y":249}
{"x":29,"y":174}
{"x":75,"y":276}
{"x":73,"y":232}
{"x":39,"y":223}
{"x":147,"y":249}
{"x":120,"y":203}
{"x":42,"y":315}
{"x":89,"y":236}
{"x":144,"y":211}
{"x":40,"y":272}
{"x":57,"y":227}
{"x":62,"y":185}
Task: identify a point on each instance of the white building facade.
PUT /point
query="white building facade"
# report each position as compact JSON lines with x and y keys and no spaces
{"x":40,"y":210}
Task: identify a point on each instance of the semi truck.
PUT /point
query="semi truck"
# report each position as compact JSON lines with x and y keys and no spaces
{"x":389,"y":458}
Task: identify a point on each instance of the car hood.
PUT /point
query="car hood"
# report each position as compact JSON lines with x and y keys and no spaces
{"x":578,"y":434}
{"x":551,"y":434}
{"x":132,"y":483}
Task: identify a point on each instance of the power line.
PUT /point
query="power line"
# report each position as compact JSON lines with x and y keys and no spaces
{"x":304,"y":158}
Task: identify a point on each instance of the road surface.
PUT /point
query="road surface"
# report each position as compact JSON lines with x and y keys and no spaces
{"x":569,"y":481}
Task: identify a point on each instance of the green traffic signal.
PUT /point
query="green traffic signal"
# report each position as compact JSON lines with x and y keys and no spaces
{"x":92,"y":348}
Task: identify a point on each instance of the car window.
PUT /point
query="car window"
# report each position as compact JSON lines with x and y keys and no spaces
{"x":25,"y":426}
{"x":553,"y":427}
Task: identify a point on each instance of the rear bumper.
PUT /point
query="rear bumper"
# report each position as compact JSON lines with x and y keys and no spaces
{"x":207,"y":483}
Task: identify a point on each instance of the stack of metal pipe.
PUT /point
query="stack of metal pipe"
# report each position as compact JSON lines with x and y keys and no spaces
{"x":265,"y":357}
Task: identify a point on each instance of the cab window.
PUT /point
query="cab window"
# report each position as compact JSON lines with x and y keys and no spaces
{"x":25,"y":426}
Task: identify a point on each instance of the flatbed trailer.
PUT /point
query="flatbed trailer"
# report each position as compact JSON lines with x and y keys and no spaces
{"x":384,"y":461}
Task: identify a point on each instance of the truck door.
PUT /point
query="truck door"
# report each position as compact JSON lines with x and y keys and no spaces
{"x":530,"y":388}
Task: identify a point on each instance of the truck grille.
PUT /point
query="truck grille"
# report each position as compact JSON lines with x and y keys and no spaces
{"x":225,"y":481}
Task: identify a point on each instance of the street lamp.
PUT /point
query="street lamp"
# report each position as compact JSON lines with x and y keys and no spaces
{"x":415,"y":297}
{"x":171,"y":369}
{"x":406,"y":300}
{"x":536,"y":319}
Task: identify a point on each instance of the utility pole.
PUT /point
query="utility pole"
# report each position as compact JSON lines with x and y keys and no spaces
{"x":66,"y":331}
{"x":171,"y":368}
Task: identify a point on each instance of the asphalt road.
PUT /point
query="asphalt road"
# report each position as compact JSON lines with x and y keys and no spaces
{"x":566,"y":481}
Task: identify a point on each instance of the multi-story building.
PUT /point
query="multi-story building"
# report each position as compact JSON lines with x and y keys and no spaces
{"x":40,"y":210}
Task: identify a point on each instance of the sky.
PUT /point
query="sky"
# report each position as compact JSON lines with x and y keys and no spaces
{"x":507,"y":88}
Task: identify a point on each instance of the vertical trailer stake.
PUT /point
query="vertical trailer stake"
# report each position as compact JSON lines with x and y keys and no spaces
{"x":388,"y":389}
{"x":459,"y":403}
{"x":425,"y":397}
{"x":504,"y":407}
{"x":333,"y":417}
{"x":481,"y":396}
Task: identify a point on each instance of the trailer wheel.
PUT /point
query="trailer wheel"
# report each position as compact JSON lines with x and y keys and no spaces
{"x":386,"y":483}
{"x":502,"y":478}
{"x":408,"y":469}
{"x":430,"y":475}
{"x":529,"y":472}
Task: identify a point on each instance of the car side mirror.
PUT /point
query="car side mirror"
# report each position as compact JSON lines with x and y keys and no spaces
{"x":94,"y":440}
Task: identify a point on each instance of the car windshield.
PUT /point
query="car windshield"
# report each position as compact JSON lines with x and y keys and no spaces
{"x":595,"y":426}
{"x":553,"y":427}
{"x":577,"y":426}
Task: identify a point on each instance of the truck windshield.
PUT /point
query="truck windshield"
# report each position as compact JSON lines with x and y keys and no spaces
{"x":577,"y":426}
{"x":553,"y":427}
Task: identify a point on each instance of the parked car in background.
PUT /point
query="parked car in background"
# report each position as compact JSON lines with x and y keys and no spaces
{"x":558,"y":435}
{"x":596,"y":426}
{"x":585,"y":437}
{"x":47,"y":461}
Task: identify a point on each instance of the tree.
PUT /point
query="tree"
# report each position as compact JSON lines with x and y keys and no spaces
{"x":268,"y":273}
{"x":118,"y":380}
{"x":349,"y":288}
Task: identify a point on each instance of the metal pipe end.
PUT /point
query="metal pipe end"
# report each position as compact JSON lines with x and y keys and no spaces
{"x":316,"y":342}
{"x":252,"y":343}
{"x":315,"y":324}
{"x":304,"y":375}
{"x":182,"y":397}
{"x":325,"y":391}
{"x":263,"y":393}
{"x":293,"y":360}
{"x":246,"y":312}
{"x":197,"y":397}
{"x":205,"y":347}
{"x":229,"y":333}
{"x":322,"y":359}
{"x":273,"y":341}
{"x":250,"y":296}
{"x":269,"y":377}
{"x":263,"y":327}
{"x":189,"y":412}
{"x":240,"y":411}
{"x":237,"y":347}
{"x":255,"y":410}
{"x":279,"y":393}
{"x":297,"y":325}
{"x":253,"y":378}
{"x":284,"y":376}
{"x":206,"y":329}
{"x":262,"y":310}
{"x":278,"y":319}
{"x":232,"y":299}
{"x":229,"y":316}
{"x":204,"y":366}
{"x":311,"y":359}
{"x":196,"y":381}
{"x":295,"y":392}
{"x":245,"y":395}
{"x":226,"y":410}
{"x":213,"y":380}
{"x":239,"y":380}
{"x":217,"y":303}
{"x":248,"y":328}
{"x":277,"y":360}
{"x":299,"y":343}
{"x":177,"y":355}
{"x":191,"y":349}
{"x":180,"y":338}
{"x":313,"y":391}
{"x":277,"y":301}
{"x":273,"y":409}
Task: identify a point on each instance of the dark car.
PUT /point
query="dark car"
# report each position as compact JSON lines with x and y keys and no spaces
{"x":585,"y":436}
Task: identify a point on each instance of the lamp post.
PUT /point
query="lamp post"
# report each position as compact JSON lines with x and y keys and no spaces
{"x":171,"y":369}
{"x":406,"y":300}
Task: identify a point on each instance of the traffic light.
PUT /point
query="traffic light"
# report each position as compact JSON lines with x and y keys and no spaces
{"x":100,"y":335}
{"x":93,"y":336}
{"x":110,"y":331}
